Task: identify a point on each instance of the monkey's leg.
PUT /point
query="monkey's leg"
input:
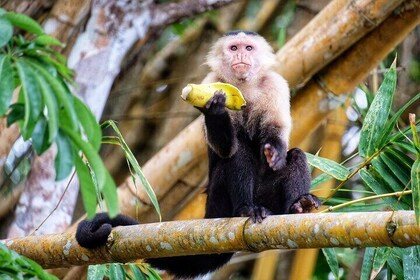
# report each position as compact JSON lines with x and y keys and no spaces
{"x":274,"y":147}
{"x":287,"y":190}
{"x":241,"y":177}
{"x":297,"y":184}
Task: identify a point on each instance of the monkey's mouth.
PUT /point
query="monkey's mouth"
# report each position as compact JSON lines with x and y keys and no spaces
{"x":241,"y":66}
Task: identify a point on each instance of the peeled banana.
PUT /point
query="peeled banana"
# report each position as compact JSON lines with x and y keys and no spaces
{"x":199,"y":95}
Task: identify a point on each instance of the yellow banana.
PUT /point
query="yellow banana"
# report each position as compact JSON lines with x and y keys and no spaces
{"x":199,"y":95}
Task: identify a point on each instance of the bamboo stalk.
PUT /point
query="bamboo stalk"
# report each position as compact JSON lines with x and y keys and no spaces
{"x":330,"y":33}
{"x":344,"y":74}
{"x":371,"y":229}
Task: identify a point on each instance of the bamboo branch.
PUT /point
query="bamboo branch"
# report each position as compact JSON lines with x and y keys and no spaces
{"x":337,"y":27}
{"x":370,"y":229}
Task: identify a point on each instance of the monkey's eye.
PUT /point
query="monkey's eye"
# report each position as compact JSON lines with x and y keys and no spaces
{"x":249,"y":48}
{"x":234,"y":48}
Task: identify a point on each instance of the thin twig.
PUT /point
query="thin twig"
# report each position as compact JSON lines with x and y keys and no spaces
{"x":56,"y":206}
{"x":399,"y":194}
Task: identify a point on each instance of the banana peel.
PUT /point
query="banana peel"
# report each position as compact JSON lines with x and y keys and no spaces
{"x":199,"y":94}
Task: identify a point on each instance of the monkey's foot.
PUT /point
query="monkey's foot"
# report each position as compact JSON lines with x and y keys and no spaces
{"x":275,"y":159}
{"x":256,"y":213}
{"x":305,"y":204}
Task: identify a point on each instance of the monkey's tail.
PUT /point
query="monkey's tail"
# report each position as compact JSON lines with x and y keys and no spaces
{"x":191,"y":266}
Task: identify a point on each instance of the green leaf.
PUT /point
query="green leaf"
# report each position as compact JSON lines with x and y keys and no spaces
{"x":320,"y":180}
{"x":137,"y":273}
{"x":31,"y":96}
{"x":398,"y":163}
{"x":87,"y":187}
{"x":52,"y":108}
{"x":24,"y":22}
{"x":67,"y":115}
{"x":329,"y":167}
{"x":95,"y":162}
{"x":61,"y":68}
{"x":373,"y":129}
{"x":135,"y":165}
{"x":110,"y":195}
{"x":6,"y":81}
{"x":152,"y":274}
{"x":96,"y":272}
{"x":6,"y":32}
{"x":47,"y":40}
{"x":406,"y":146}
{"x":395,"y":263}
{"x":65,"y":158}
{"x":411,"y":263}
{"x":90,"y":125}
{"x":415,"y":187}
{"x":332,"y":261}
{"x":367,"y":263}
{"x":39,"y":139}
{"x":15,"y":266}
{"x":391,"y":124}
{"x":16,"y":113}
{"x":381,"y":255}
{"x":391,"y":181}
{"x":116,"y":272}
{"x":375,"y":183}
{"x":414,"y":128}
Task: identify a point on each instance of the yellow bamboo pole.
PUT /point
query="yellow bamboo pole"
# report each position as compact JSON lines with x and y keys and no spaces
{"x":337,"y":27}
{"x":371,"y":229}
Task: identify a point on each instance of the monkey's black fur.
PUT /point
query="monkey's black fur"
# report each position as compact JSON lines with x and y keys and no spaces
{"x":236,"y":32}
{"x":241,"y":183}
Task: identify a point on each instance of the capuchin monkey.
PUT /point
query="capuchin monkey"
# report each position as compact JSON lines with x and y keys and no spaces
{"x":251,"y":172}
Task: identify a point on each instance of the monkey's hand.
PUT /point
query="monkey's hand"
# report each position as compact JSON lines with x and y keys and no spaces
{"x":256,"y":213}
{"x":93,"y":234}
{"x":216,"y":105}
{"x":276,"y":157}
{"x":305,"y":204}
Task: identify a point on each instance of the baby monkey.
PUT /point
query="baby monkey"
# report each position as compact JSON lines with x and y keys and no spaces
{"x":251,"y":172}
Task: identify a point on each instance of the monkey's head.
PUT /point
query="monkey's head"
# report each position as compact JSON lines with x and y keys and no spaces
{"x":240,"y":56}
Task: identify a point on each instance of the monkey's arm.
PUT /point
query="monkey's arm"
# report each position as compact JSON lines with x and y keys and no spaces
{"x":276,"y":121}
{"x":220,"y":133}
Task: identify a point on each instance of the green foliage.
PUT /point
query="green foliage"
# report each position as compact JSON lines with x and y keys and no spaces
{"x":46,"y":111}
{"x":388,"y":170}
{"x":332,"y":261}
{"x":133,"y":164}
{"x":377,"y":116}
{"x":329,"y":167}
{"x":142,"y":271}
{"x":15,"y":266}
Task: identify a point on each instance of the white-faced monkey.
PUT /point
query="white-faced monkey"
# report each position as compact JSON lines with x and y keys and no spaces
{"x":251,"y":173}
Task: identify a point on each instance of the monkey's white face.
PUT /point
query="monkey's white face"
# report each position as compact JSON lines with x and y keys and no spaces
{"x":240,"y":58}
{"x":240,"y":54}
